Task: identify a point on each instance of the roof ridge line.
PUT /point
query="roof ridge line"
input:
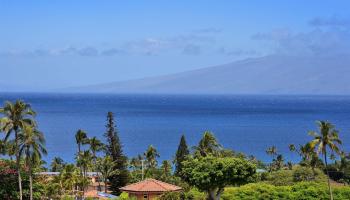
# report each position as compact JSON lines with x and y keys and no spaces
{"x":158,"y":183}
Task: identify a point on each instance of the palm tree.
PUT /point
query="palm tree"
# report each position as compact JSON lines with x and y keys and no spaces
{"x":166,"y":170}
{"x":106,"y":167}
{"x":272,"y":151}
{"x":57,"y":164}
{"x":81,"y":139}
{"x":16,"y":116}
{"x":136,"y":163}
{"x":279,"y":162}
{"x":7,"y":148}
{"x":151,"y":156}
{"x":31,"y":146}
{"x":292,"y":148}
{"x":84,"y":161}
{"x":208,"y":145}
{"x":68,"y":177}
{"x":326,"y":138}
{"x":95,"y":146}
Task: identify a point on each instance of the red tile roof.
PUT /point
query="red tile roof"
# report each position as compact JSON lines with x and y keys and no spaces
{"x":150,"y":185}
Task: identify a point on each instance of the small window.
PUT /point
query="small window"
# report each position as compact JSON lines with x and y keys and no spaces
{"x":145,"y":196}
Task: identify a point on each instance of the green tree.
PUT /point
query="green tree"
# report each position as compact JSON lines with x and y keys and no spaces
{"x":213,"y":174}
{"x":32,"y":147}
{"x":8,"y":148}
{"x":273,"y":152}
{"x":114,"y":149}
{"x":81,"y":139}
{"x":136,"y":163}
{"x":69,"y":177}
{"x":57,"y":164}
{"x":326,"y":138}
{"x":292,"y":147}
{"x":207,"y":146}
{"x":95,"y":146}
{"x":181,"y":154}
{"x":308,"y":156}
{"x":278,"y":163}
{"x":151,"y":156}
{"x":84,"y":161}
{"x":15,"y":117}
{"x":166,"y":169}
{"x":107,"y":168}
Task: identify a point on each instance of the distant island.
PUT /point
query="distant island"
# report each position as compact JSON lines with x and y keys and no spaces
{"x":275,"y":74}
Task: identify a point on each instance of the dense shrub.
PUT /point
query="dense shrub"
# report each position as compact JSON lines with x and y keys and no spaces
{"x":194,"y":194}
{"x":281,"y":177}
{"x":307,"y":174}
{"x":298,"y":191}
{"x":290,"y":177}
{"x":125,"y":196}
{"x":256,"y":191}
{"x":9,"y":182}
{"x":170,"y":196}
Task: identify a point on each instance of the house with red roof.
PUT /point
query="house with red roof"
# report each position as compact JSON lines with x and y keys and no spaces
{"x":149,"y":189}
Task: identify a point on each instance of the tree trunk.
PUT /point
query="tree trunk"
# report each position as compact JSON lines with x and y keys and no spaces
{"x":83,"y":185}
{"x":212,"y":195}
{"x":329,"y":183}
{"x":218,"y":193}
{"x":30,"y":181}
{"x":18,"y":165}
{"x":105,"y":185}
{"x":99,"y":182}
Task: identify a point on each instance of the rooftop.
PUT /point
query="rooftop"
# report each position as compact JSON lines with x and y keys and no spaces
{"x":150,"y":185}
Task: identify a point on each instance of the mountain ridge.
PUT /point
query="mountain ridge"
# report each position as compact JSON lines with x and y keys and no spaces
{"x":273,"y":74}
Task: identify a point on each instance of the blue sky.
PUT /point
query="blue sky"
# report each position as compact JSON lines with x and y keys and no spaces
{"x":57,"y":44}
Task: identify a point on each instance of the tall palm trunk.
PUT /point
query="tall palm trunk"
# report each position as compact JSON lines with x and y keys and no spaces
{"x":18,"y":165}
{"x":105,"y":185}
{"x":329,"y":183}
{"x":83,"y":185}
{"x":98,"y":177}
{"x":30,"y":179}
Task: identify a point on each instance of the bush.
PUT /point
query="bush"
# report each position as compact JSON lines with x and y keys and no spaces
{"x":170,"y":196}
{"x":125,"y":196}
{"x":257,"y":191}
{"x":290,"y":177}
{"x":279,"y":178}
{"x":66,"y":197}
{"x":9,"y":182}
{"x":194,"y":194}
{"x":298,"y":191}
{"x":307,"y":174}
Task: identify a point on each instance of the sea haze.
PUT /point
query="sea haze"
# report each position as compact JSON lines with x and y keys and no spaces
{"x":243,"y":123}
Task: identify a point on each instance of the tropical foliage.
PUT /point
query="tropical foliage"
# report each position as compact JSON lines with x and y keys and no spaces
{"x":205,"y":171}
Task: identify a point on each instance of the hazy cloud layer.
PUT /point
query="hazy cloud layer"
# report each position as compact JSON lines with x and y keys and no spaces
{"x":191,"y":43}
{"x":323,"y":39}
{"x":334,"y":21}
{"x":209,"y":30}
{"x":326,"y":36}
{"x":237,"y":52}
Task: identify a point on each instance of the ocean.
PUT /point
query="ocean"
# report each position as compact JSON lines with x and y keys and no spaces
{"x":248,"y":124}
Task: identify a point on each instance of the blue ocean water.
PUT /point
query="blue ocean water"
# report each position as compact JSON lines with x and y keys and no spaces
{"x":249,"y":124}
